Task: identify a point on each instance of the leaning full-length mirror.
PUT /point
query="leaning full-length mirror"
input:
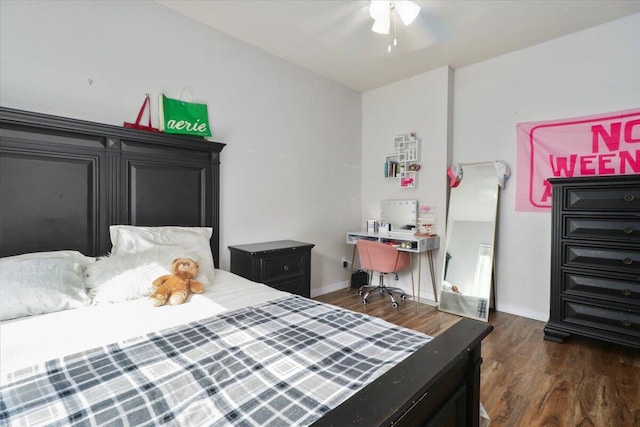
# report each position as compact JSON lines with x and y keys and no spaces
{"x":468,"y":261}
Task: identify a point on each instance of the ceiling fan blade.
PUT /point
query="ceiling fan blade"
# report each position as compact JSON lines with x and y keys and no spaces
{"x":432,"y":27}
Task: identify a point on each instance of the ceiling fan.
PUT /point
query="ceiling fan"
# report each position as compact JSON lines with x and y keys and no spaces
{"x":385,"y":12}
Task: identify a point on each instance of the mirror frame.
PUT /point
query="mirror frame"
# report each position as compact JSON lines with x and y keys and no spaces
{"x":476,"y":188}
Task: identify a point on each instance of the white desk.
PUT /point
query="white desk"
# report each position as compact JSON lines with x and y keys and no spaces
{"x":408,"y":243}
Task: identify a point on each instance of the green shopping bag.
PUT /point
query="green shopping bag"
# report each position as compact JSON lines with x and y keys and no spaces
{"x":183,"y":118}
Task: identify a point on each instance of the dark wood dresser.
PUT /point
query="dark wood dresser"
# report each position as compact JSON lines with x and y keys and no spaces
{"x":595,"y":259}
{"x":283,"y":264}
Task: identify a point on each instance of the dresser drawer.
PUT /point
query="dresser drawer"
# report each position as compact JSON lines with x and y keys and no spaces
{"x":603,"y":199}
{"x":611,"y":320}
{"x":619,"y":260}
{"x":603,"y":228}
{"x":604,"y":288}
{"x":274,"y":268}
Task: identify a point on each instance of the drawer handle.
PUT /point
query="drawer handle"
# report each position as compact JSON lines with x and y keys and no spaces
{"x":628,"y":230}
{"x":286,"y":268}
{"x":626,"y":323}
{"x":627,"y":261}
{"x":629,"y":197}
{"x":626,"y":292}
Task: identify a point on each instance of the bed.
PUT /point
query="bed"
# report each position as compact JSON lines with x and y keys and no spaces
{"x":76,"y":191}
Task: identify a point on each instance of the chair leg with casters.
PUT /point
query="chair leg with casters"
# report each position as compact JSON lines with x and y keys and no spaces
{"x":366,"y":288}
{"x":383,"y":289}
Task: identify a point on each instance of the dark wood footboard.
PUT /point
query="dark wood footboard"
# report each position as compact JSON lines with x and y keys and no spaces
{"x":438,"y":385}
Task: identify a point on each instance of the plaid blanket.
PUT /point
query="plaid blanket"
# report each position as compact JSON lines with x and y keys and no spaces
{"x":284,"y":362}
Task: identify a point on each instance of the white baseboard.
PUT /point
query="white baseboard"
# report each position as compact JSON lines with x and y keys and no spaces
{"x":522,"y":312}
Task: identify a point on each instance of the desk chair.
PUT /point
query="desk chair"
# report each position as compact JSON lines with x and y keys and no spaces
{"x":383,"y":258}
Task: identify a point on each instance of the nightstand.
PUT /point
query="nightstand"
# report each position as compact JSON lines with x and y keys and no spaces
{"x":284,"y":265}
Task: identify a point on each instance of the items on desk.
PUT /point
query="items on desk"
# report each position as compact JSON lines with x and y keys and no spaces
{"x":426,"y":225}
{"x":400,"y":245}
{"x":372,"y":226}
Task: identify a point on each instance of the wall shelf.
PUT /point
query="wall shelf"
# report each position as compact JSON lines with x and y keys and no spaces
{"x":402,"y":164}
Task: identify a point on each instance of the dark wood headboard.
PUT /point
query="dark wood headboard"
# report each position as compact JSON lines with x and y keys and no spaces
{"x":64,"y":181}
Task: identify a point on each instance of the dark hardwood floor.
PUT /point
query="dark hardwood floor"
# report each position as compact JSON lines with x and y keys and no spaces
{"x":527,"y":381}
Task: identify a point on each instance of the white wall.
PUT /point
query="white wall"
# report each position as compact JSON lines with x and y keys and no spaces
{"x":589,"y":72}
{"x":291,"y":167}
{"x":420,"y":104}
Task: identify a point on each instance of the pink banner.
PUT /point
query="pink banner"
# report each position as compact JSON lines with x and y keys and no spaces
{"x":603,"y":144}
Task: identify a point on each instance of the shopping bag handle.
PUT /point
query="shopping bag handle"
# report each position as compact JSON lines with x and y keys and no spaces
{"x":186,"y":95}
{"x":145,"y":104}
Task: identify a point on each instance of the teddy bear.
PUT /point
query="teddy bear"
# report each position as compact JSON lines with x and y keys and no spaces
{"x":175,"y":287}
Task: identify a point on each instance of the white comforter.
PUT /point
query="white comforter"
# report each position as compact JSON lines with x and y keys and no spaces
{"x":34,"y":340}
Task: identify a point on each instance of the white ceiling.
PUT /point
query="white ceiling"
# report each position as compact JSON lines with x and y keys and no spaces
{"x":333,"y":38}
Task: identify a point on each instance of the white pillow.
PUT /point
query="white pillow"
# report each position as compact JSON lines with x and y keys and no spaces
{"x":42,"y":282}
{"x":195,"y":242}
{"x":53,"y":254}
{"x":118,"y":278}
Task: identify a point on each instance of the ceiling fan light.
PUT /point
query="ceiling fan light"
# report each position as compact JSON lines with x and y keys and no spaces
{"x":379,"y":9}
{"x":407,"y":10}
{"x":381,"y":26}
